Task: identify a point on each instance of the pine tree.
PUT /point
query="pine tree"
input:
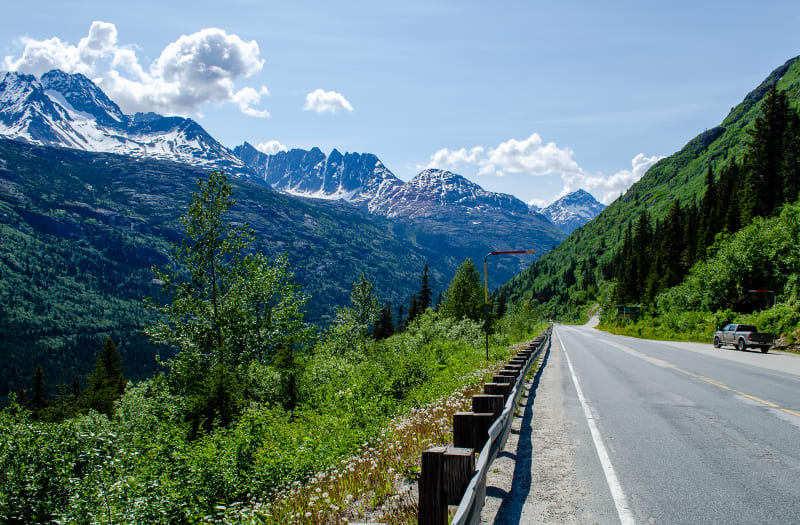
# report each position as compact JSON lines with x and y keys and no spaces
{"x":425,"y":295}
{"x":401,"y":322}
{"x":106,"y":383}
{"x":790,"y":165}
{"x":707,"y":226}
{"x":288,"y":366}
{"x":763,"y":188}
{"x":413,"y":309}
{"x":39,"y":400}
{"x":640,"y":251}
{"x":384,"y":327}
{"x":672,"y":246}
{"x":500,"y":304}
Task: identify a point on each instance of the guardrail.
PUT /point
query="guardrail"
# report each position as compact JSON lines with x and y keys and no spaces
{"x":449,"y":475}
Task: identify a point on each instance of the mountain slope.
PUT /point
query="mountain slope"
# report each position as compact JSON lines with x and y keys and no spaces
{"x":81,"y":230}
{"x":580,"y":264}
{"x":66,"y":110}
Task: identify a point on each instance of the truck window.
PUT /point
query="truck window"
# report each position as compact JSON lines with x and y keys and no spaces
{"x":747,"y":328}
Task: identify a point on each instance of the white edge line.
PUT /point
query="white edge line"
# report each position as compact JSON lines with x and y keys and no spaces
{"x":625,"y":516}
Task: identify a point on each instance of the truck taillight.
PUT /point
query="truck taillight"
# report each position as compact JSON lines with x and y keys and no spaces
{"x":749,"y":336}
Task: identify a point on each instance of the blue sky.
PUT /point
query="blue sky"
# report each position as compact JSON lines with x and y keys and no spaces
{"x":529,"y":98}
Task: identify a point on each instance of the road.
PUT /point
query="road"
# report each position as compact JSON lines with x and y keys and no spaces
{"x":661,"y":433}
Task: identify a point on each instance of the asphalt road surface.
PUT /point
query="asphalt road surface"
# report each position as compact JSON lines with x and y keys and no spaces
{"x":625,"y":430}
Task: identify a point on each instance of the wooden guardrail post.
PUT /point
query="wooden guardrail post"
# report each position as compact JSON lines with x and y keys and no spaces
{"x":446,"y":472}
{"x":503,"y":389}
{"x":432,"y":505}
{"x":459,"y":466}
{"x":503,"y":378}
{"x":486,"y":403}
{"x":471,"y":429}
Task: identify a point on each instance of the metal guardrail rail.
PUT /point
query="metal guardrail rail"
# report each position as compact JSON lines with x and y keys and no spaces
{"x":469,"y":510}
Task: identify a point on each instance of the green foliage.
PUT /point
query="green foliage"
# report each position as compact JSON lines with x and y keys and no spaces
{"x":106,"y":382}
{"x":81,"y":231}
{"x":231,"y":309}
{"x":464,"y":297}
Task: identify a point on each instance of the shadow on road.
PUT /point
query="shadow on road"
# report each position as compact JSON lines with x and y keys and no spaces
{"x":511,"y":509}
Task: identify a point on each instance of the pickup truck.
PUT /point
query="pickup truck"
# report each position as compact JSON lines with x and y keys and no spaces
{"x":743,"y":336}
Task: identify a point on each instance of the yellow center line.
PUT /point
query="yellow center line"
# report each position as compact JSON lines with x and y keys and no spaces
{"x":710,"y":381}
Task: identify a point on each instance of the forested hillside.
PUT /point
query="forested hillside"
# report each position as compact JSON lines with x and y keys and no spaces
{"x":80,"y":232}
{"x":648,"y":239}
{"x":251,"y":406}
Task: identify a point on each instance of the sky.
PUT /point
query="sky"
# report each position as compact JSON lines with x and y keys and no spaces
{"x":530,"y":98}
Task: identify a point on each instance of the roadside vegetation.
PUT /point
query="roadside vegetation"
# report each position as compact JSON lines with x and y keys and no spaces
{"x":257,"y":417}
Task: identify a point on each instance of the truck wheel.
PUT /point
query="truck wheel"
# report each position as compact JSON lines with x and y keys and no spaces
{"x":717,"y":344}
{"x":742,"y":345}
{"x":764,"y":349}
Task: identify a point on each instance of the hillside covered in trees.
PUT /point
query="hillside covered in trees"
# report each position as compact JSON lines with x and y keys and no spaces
{"x":683,"y":214}
{"x":232,"y":427}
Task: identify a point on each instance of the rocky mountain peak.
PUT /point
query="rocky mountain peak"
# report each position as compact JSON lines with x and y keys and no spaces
{"x":83,"y":95}
{"x":71,"y":111}
{"x":573,"y":210}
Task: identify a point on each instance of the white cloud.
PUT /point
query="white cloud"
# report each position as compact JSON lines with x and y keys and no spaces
{"x":531,"y":156}
{"x":271,"y":147}
{"x":535,"y":157}
{"x":326,"y":102}
{"x":445,"y":158}
{"x":194,"y":70}
{"x":610,"y":187}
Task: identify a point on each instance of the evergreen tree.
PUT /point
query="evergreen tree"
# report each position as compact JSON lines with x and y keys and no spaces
{"x":790,"y":165}
{"x":464,"y":296}
{"x":413,"y":309}
{"x":384,"y":327}
{"x":401,"y":323}
{"x":106,"y":383}
{"x":425,"y":296}
{"x":640,"y":250}
{"x":763,"y":189}
{"x":439,"y":299}
{"x":707,"y":226}
{"x":672,"y":247}
{"x":39,"y":400}
{"x":288,"y":365}
{"x":500,"y":304}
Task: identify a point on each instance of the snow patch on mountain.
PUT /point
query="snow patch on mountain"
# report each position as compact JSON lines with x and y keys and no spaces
{"x":70,"y":111}
{"x":572,"y":210}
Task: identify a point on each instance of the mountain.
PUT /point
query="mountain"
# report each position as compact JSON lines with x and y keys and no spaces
{"x":81,"y":230}
{"x":435,"y":193}
{"x":358,"y":178}
{"x":439,"y":210}
{"x":70,"y":111}
{"x":573,"y":210}
{"x":581,"y":265}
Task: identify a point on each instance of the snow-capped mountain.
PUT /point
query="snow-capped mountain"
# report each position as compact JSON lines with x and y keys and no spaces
{"x":572,"y":210}
{"x":360,"y":178}
{"x":433,"y":191}
{"x":66,"y":110}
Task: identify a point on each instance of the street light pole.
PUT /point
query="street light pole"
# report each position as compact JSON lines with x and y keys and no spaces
{"x":486,"y":290}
